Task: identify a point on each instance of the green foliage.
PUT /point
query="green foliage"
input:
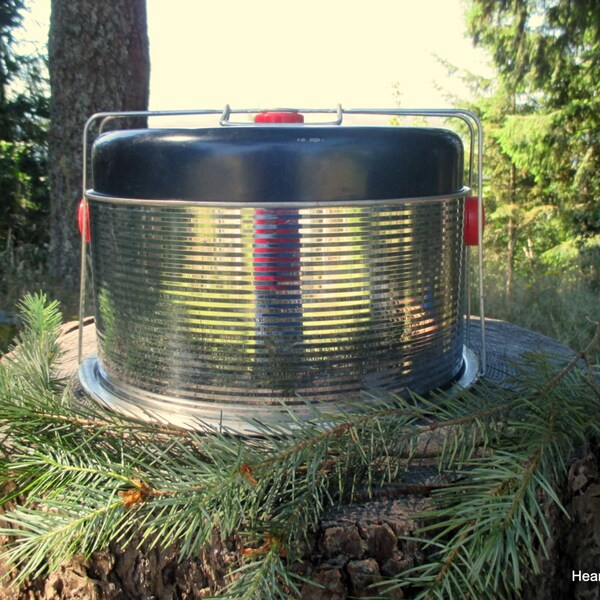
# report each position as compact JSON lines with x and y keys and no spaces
{"x":548,"y":57}
{"x":21,"y":266}
{"x":560,"y":303}
{"x":85,"y":477}
{"x":542,"y":153}
{"x":23,"y":137}
{"x":525,"y":139}
{"x":490,"y":530}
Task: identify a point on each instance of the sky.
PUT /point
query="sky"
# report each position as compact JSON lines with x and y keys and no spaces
{"x":308,"y":53}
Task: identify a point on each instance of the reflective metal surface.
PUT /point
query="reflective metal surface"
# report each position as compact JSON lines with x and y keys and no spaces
{"x":232,"y":417}
{"x":470,"y":119}
{"x":201,"y":308}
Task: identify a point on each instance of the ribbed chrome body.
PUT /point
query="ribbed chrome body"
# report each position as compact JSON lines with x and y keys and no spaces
{"x":208,"y":308}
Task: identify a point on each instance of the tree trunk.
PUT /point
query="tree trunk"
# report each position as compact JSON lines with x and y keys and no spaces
{"x":512,"y":236}
{"x":510,"y":257}
{"x":99,"y":61}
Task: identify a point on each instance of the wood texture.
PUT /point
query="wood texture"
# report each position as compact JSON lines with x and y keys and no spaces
{"x":99,"y":61}
{"x":355,"y":545}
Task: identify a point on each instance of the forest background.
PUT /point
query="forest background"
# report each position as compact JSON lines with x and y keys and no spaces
{"x":541,"y":117}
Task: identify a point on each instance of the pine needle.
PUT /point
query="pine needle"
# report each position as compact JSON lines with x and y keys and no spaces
{"x":76,"y":479}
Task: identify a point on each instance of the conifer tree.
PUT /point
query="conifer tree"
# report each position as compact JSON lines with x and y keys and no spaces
{"x":23,"y":125}
{"x":548,"y":56}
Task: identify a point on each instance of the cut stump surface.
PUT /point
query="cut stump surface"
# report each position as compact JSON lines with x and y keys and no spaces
{"x":355,"y":545}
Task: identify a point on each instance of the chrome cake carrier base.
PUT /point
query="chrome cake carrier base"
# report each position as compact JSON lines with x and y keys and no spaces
{"x":228,"y":411}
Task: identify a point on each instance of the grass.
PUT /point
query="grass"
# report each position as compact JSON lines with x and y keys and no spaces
{"x":562,"y":304}
{"x":23,"y":269}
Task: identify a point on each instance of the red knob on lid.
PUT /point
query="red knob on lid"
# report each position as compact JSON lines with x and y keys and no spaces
{"x":279,"y":116}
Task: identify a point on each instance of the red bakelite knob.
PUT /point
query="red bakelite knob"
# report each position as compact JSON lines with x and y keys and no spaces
{"x":88,"y":236}
{"x":279,"y":116}
{"x":471,"y":230}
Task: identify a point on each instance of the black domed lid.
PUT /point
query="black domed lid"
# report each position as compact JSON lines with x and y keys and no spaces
{"x":278,"y":163}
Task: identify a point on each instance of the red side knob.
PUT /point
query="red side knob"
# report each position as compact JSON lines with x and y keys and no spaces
{"x":88,"y":236}
{"x":471,"y":230}
{"x":279,"y":116}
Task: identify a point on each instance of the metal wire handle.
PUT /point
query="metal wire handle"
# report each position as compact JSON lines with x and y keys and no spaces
{"x":228,"y":111}
{"x":469,"y":118}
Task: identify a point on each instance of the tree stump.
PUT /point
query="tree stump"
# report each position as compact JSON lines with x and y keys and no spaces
{"x":355,"y":545}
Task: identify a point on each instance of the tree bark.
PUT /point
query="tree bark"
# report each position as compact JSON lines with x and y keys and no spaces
{"x":354,"y":545}
{"x":99,"y":61}
{"x":512,"y":236}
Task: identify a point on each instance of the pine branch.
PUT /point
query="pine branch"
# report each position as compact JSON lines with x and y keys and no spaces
{"x":264,"y":577}
{"x":46,"y":538}
{"x":486,"y":525}
{"x":574,"y":362}
{"x":36,"y":351}
{"x":93,"y":471}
